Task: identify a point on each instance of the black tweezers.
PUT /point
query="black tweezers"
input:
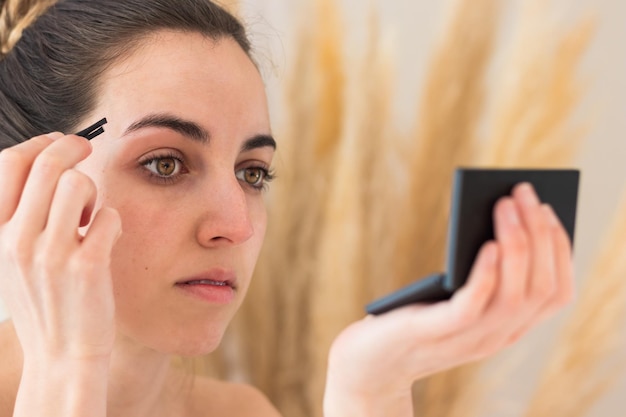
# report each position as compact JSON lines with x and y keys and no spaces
{"x":93,"y":130}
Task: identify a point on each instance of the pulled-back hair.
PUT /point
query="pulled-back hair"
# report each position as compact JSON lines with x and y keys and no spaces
{"x":52,"y":53}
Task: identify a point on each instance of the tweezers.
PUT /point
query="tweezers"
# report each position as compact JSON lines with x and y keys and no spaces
{"x":93,"y":130}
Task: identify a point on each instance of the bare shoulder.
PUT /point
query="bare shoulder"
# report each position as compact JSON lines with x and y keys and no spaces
{"x":213,"y":397}
{"x":10,"y":367}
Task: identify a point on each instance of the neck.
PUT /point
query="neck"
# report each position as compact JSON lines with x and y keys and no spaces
{"x":142,"y":382}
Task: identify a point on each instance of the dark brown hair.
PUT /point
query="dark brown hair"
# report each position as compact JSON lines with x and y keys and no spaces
{"x":49,"y":77}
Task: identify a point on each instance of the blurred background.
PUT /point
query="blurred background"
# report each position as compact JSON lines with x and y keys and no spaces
{"x":425,"y":86}
{"x":374,"y":103}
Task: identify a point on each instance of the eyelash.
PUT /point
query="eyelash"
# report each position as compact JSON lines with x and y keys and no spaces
{"x":160,"y":178}
{"x":267,"y":174}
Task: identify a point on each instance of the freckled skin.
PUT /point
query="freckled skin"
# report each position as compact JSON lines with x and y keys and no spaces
{"x":207,"y":220}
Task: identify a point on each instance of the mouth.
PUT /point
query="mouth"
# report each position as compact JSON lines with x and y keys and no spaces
{"x":215,"y":287}
{"x":214,"y":277}
{"x":206,"y":282}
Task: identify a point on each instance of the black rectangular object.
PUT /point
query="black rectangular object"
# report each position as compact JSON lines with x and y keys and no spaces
{"x":474,"y":194}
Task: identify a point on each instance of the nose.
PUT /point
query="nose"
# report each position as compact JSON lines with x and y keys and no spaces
{"x":225,"y":218}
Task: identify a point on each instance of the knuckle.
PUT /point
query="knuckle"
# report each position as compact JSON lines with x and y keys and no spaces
{"x":546,"y":289}
{"x":75,"y":181}
{"x":513,"y":303}
{"x":19,"y":249}
{"x":517,"y":264}
{"x":47,"y":163}
{"x":543,"y":232}
{"x":12,"y":156}
{"x":517,"y":245}
{"x":88,"y":263}
{"x":46,"y":258}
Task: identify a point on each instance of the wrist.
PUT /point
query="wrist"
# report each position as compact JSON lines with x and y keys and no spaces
{"x":63,"y":387}
{"x":339,"y":401}
{"x":65,"y":367}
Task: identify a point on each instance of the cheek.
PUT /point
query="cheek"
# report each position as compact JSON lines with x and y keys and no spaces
{"x":147,"y":230}
{"x":254,"y":245}
{"x":259,"y":219}
{"x":150,"y":233}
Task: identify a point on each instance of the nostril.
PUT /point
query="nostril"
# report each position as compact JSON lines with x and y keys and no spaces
{"x":224,"y":230}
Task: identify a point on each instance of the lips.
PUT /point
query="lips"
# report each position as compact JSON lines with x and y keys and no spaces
{"x":205,"y":282}
{"x":216,"y":277}
{"x":215,"y":287}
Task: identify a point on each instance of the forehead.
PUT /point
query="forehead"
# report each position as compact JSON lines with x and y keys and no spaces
{"x":212,"y":82}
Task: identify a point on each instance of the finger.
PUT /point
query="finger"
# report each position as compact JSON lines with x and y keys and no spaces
{"x":34,"y":205}
{"x":564,"y":291}
{"x":470,"y":302}
{"x":102,"y":235}
{"x":563,"y":264}
{"x":560,"y":289}
{"x":514,"y":256}
{"x":565,"y":280}
{"x":74,"y":199}
{"x":15,"y":164}
{"x":446,"y":318}
{"x":535,"y":217}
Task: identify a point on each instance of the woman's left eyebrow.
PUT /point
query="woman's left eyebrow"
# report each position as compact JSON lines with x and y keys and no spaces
{"x":258,"y":141}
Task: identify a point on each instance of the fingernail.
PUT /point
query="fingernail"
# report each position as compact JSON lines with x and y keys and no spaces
{"x":511,"y":214}
{"x":528,"y":195}
{"x":552,"y":217}
{"x":55,"y":135}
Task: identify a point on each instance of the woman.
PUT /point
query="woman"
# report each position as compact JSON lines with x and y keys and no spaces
{"x":119,"y":252}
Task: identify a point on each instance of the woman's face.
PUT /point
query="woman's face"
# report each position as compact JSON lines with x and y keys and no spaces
{"x":183,"y":160}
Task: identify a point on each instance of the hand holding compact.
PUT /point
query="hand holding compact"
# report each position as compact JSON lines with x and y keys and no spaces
{"x":55,"y":282}
{"x":517,"y":280}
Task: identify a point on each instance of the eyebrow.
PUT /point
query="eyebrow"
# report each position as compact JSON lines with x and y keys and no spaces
{"x":259,"y":141}
{"x":187,"y":128}
{"x":193,"y":130}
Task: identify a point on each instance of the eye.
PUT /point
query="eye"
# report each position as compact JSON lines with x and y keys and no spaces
{"x":164,"y":167}
{"x":256,"y":177}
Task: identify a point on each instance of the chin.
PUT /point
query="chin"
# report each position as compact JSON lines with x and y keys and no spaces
{"x":180,"y":340}
{"x":191,"y":342}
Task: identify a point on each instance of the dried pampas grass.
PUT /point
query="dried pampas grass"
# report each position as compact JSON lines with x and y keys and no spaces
{"x":341,"y":229}
{"x":446,"y":136}
{"x":537,"y":96}
{"x":352,"y":239}
{"x":446,"y":132}
{"x":585,"y":362}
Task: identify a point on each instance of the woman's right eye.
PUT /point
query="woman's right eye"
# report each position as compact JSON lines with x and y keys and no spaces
{"x":166,"y":168}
